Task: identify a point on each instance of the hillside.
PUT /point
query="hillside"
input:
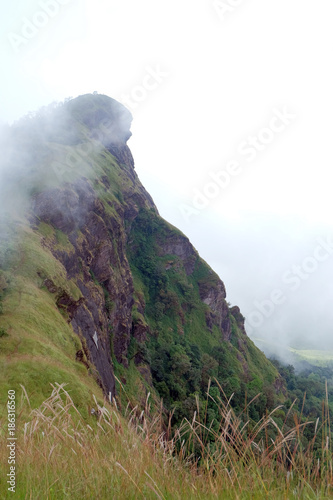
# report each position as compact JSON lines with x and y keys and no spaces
{"x":133,"y":376}
{"x":94,"y":284}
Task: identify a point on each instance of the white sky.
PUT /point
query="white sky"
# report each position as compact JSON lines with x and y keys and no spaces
{"x":221,"y":79}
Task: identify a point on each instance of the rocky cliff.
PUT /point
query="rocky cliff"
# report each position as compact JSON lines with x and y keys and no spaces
{"x":81,"y":234}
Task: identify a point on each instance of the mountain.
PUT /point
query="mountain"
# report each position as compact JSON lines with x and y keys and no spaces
{"x":95,"y":287}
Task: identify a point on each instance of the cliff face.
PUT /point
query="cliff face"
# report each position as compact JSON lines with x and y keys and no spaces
{"x":97,"y":262}
{"x":129,"y":285}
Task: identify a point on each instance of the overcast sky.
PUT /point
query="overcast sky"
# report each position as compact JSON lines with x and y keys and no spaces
{"x":232,"y":131}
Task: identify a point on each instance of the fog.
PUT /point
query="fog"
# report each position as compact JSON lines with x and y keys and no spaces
{"x":278,"y":270}
{"x":232,"y":109}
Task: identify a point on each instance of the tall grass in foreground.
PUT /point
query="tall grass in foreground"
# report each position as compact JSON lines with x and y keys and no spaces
{"x":61,"y":455}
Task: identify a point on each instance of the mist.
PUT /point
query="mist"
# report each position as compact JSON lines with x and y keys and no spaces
{"x":242,"y":97}
{"x":277,"y":270}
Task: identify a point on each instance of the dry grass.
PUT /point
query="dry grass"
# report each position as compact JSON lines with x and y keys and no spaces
{"x":134,"y":454}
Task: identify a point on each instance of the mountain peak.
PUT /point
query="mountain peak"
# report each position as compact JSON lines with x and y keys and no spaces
{"x":109,"y":120}
{"x":104,"y":285}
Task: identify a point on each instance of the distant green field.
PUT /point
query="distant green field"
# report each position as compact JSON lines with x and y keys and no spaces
{"x":317,"y":358}
{"x":312,"y":356}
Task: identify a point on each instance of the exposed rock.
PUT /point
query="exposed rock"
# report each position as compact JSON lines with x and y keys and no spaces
{"x":100,"y":216}
{"x":181,"y":247}
{"x":240,"y":320}
{"x":81,"y":358}
{"x":279,"y":385}
{"x":146,"y":374}
{"x":65,"y":301}
{"x":212,"y":293}
{"x":140,"y":330}
{"x":52,"y":288}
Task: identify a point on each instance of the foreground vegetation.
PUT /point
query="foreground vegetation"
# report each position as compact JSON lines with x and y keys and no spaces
{"x":232,"y":424}
{"x":134,"y":454}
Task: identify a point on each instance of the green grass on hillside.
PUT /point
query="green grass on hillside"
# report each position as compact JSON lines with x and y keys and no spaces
{"x":61,"y":454}
{"x":183,"y":351}
{"x":39,"y":347}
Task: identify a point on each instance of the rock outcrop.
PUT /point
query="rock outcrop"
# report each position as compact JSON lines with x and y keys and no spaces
{"x":137,"y":285}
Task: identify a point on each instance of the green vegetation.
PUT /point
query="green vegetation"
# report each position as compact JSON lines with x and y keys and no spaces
{"x":129,"y":454}
{"x":299,"y":357}
{"x":37,"y":345}
{"x":306,"y":390}
{"x":201,"y":410}
{"x":184,"y":352}
{"x":3,"y":332}
{"x":314,"y":357}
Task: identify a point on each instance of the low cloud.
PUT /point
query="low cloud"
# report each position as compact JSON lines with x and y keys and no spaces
{"x":278,"y":270}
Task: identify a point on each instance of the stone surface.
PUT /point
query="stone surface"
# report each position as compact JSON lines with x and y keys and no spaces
{"x":98,"y":262}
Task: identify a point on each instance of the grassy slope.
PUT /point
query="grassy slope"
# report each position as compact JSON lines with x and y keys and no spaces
{"x":39,"y":334}
{"x":177,"y":320}
{"x":62,"y":455}
{"x":37,"y":347}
